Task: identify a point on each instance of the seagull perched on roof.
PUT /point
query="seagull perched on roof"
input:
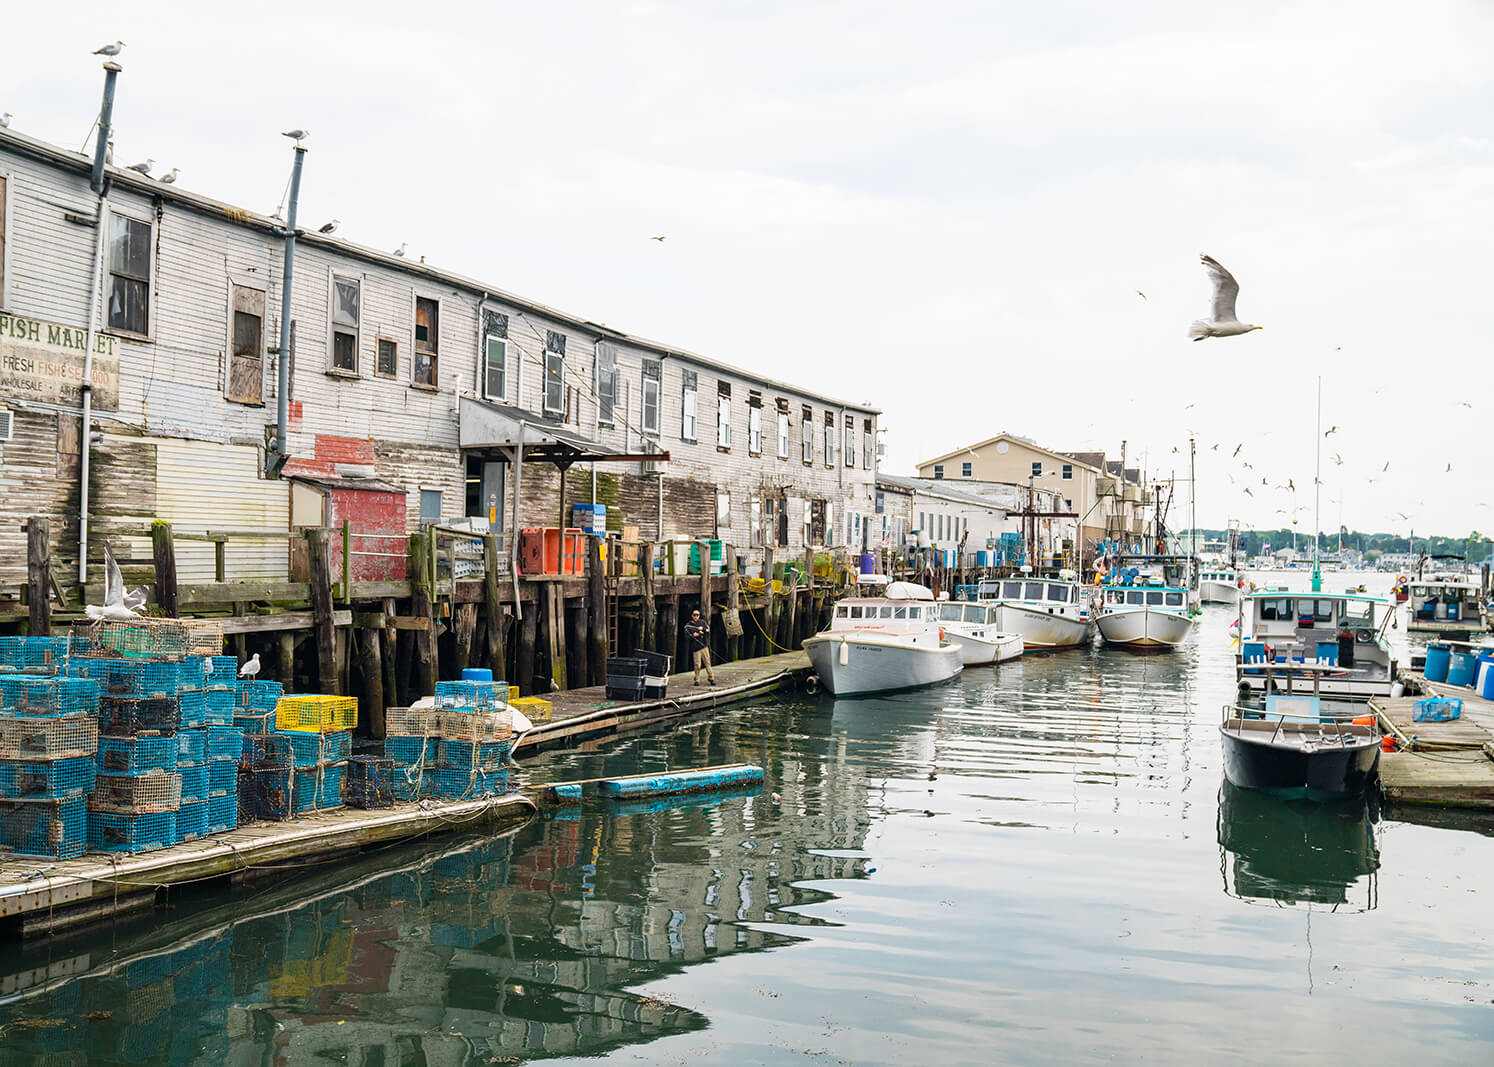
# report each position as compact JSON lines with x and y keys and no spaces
{"x":114,"y":607}
{"x":329,"y":227}
{"x":404,"y":246}
{"x":110,"y":49}
{"x":167,"y":179}
{"x":143,"y":168}
{"x":5,"y":122}
{"x":250,"y":669}
{"x":1223,"y":323}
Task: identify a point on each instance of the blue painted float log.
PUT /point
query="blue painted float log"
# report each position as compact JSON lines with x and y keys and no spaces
{"x":732,"y":776}
{"x":615,"y":807}
{"x":562,"y":793}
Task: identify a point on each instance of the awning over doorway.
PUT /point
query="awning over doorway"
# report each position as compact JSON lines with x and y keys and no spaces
{"x":486,"y":427}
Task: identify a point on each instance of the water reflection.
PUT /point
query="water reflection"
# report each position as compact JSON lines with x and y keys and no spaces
{"x":1297,"y":851}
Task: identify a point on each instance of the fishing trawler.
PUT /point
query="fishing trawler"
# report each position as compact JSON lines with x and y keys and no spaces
{"x":1049,"y":613}
{"x":878,"y":644}
{"x":1143,"y":610}
{"x":1446,"y":600}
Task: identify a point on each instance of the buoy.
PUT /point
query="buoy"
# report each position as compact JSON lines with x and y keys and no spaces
{"x":777,"y":799}
{"x":845,"y":652}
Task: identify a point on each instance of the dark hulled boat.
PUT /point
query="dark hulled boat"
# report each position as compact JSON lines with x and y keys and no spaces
{"x":1293,"y":750}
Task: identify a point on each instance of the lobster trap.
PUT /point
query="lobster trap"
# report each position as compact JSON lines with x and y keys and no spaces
{"x":191,"y":746}
{"x":224,"y":742}
{"x":476,"y":726}
{"x":136,"y":794}
{"x":369,"y":782}
{"x":194,"y":783}
{"x":25,"y":694}
{"x":42,"y":655}
{"x":256,"y":696}
{"x":20,"y":779}
{"x":412,"y":722}
{"x":192,"y":820}
{"x":57,"y":828}
{"x":309,"y":750}
{"x":223,"y":775}
{"x":222,"y":812}
{"x":316,"y":712}
{"x":468,"y":695}
{"x":120,"y":832}
{"x":140,"y":754}
{"x":150,"y":638}
{"x":47,"y":737}
{"x":127,"y":716}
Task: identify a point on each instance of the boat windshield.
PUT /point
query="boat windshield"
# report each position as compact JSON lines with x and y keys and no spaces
{"x":951,"y":612}
{"x":1135,"y":597}
{"x":1034,"y":591}
{"x":1174,"y":600}
{"x":1011,"y":590}
{"x":1317,"y":610}
{"x":1359,"y":611}
{"x":1058,"y":593}
{"x":1272,"y":609}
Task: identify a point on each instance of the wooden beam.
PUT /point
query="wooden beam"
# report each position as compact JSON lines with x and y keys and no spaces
{"x":319,"y":556}
{"x":164,"y":552}
{"x":494,"y":604}
{"x":38,"y":575}
{"x":524,"y":659}
{"x":552,"y":622}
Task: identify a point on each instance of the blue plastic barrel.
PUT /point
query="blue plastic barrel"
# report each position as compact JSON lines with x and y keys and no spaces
{"x":1438,"y":660}
{"x":1484,"y":682}
{"x":476,"y":674}
{"x":868,"y":563}
{"x":1461,"y":669}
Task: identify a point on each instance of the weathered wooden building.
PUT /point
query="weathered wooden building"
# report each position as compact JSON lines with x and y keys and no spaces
{"x":404,"y":381}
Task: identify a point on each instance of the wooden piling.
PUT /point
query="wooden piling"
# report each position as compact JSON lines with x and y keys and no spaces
{"x":669,"y":630}
{"x":427,"y":669}
{"x":524,"y":658}
{"x":38,"y":575}
{"x":287,"y":649}
{"x":729,"y":564}
{"x":319,"y":557}
{"x":464,"y":626}
{"x":596,"y":613}
{"x":387,"y":645}
{"x":552,"y":620}
{"x":494,"y":606}
{"x":648,"y":637}
{"x":370,"y":663}
{"x":576,"y":666}
{"x":164,"y":551}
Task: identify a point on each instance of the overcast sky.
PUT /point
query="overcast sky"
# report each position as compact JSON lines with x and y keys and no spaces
{"x":945,"y":209}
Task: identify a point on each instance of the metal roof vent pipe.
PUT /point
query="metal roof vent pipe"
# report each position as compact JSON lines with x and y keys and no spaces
{"x":279,"y":450}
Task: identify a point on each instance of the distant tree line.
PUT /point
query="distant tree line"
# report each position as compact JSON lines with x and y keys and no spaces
{"x":1475,"y":545}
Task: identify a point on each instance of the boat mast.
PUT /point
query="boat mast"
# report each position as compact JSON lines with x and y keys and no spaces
{"x":1192,"y":505}
{"x":1317,"y":496}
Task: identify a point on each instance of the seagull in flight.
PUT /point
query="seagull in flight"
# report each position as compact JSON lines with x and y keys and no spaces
{"x":1223,"y":323}
{"x":1248,"y":492}
{"x":1331,"y":430}
{"x":1236,"y":452}
{"x":142,"y":168}
{"x":1386,"y":467}
{"x":1215,"y":448}
{"x":114,"y":607}
{"x":1141,"y":294}
{"x":1338,"y":460}
{"x":1403,"y":515}
{"x":110,"y":49}
{"x":656,"y":239}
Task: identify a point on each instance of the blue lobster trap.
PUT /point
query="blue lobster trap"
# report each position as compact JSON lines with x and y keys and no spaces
{"x":26,"y":694}
{"x":318,"y":788}
{"x":223,"y":812}
{"x":191,"y":746}
{"x":115,"y":832}
{"x":223,"y":775}
{"x":194,"y":782}
{"x":57,"y":828}
{"x":191,"y":819}
{"x":225,"y":742}
{"x":47,"y":778}
{"x":138,"y":754}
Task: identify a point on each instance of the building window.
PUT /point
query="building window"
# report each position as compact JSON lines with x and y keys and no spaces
{"x":430,"y":506}
{"x":755,"y":521}
{"x":783,"y":435}
{"x":868,"y":445}
{"x":723,"y":415}
{"x":129,"y":275}
{"x":1037,"y":469}
{"x":386,"y":364}
{"x":494,"y":355}
{"x":850,"y":444}
{"x":689,"y":398}
{"x":806,"y":427}
{"x":1068,"y":471}
{"x":345,"y":304}
{"x":653,"y":383}
{"x":938,"y":471}
{"x":829,"y":439}
{"x":554,"y":397}
{"x":723,"y":509}
{"x":427,"y":340}
{"x":246,"y":354}
{"x":606,"y":384}
{"x":966,"y":469}
{"x":755,"y":424}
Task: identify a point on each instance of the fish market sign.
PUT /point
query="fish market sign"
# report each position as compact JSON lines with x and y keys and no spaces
{"x":44,"y":361}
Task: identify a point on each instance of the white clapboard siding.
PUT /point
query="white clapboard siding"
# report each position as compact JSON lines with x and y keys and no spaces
{"x":203,"y":486}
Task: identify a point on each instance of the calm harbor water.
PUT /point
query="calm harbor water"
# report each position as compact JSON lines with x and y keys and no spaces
{"x":1031,"y":864}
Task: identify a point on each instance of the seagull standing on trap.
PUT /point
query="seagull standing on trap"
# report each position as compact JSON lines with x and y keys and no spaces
{"x":1223,"y":322}
{"x":116,"y":607}
{"x":250,"y":669}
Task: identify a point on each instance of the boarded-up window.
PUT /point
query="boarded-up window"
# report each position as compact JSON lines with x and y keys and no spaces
{"x":129,"y":275}
{"x":387,"y":363}
{"x":346,"y":301}
{"x":554,"y":396}
{"x":427,"y":337}
{"x":246,"y":354}
{"x":723,"y":509}
{"x":430,"y":505}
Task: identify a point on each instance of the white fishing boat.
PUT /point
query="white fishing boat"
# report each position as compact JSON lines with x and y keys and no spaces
{"x":883,"y":643}
{"x":1145,"y":617}
{"x":1218,"y":584}
{"x":976,"y":628}
{"x":1342,"y":631}
{"x":1048,"y":613}
{"x":1446,"y":599}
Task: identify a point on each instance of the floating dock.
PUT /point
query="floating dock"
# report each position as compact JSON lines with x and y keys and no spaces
{"x":1447,"y":764}
{"x":581,"y":714}
{"x":41,"y":896}
{"x":720,"y":778}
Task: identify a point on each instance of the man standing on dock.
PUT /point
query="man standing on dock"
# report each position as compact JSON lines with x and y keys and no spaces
{"x":698,"y":631}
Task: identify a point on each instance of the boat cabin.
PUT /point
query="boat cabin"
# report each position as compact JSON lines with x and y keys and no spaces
{"x":1449,"y":600}
{"x":1118,"y":597}
{"x":906,"y":609}
{"x":1334,"y":628}
{"x":1226,"y":575}
{"x":1034,"y":590}
{"x":969,"y":614}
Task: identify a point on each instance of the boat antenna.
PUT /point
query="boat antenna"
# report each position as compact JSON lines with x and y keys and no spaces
{"x":1317,"y":496}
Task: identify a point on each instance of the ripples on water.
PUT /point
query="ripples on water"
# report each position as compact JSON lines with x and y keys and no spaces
{"x":1034,"y":863}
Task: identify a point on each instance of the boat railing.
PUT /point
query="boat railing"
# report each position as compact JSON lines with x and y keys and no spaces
{"x":1239,"y":715}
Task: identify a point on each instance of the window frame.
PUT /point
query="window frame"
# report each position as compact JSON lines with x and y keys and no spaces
{"x":723,"y":417}
{"x":967,"y":469}
{"x":1067,"y":472}
{"x":690,"y":407}
{"x":938,"y":472}
{"x":829,"y":444}
{"x":723,"y":509}
{"x":754,"y":424}
{"x":440,"y":500}
{"x":116,"y":215}
{"x":1037,"y":468}
{"x":784,"y":424}
{"x":806,"y":430}
{"x":554,"y":370}
{"x":234,"y":286}
{"x":848,"y":449}
{"x":5,"y":216}
{"x":653,"y":374}
{"x":431,"y":352}
{"x":604,"y":383}
{"x":868,"y":446}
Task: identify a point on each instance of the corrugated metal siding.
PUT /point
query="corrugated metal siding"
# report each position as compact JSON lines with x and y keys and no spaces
{"x":204,"y":486}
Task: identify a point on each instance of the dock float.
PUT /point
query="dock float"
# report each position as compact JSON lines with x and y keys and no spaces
{"x":41,"y":896}
{"x":581,"y":714}
{"x":1441,"y":764}
{"x":726,"y":776}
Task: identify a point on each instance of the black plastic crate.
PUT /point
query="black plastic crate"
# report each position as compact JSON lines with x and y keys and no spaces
{"x":655,"y":664}
{"x":626,"y":667}
{"x":625,"y":688}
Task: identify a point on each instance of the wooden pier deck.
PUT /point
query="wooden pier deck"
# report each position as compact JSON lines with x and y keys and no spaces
{"x":39,"y":895}
{"x":1450,"y":764}
{"x":586,"y":713}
